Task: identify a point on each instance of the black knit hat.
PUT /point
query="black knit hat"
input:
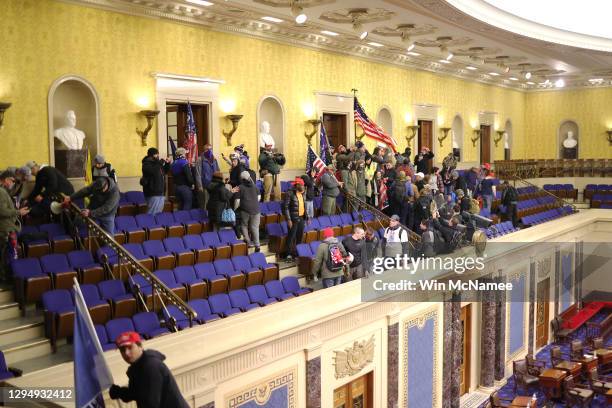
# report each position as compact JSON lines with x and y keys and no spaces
{"x":152,"y":151}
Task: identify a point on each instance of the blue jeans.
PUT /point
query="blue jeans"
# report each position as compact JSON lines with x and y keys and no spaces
{"x":329,"y":282}
{"x":155,"y":204}
{"x":107,"y":223}
{"x":185,"y":197}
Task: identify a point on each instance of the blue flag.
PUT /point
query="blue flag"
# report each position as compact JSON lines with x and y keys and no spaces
{"x":172,"y":147}
{"x":91,"y":374}
{"x":325,"y":156}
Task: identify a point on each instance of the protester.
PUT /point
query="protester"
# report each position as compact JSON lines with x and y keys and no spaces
{"x":151,"y":384}
{"x":294,"y":210}
{"x":103,"y":202}
{"x":153,"y":180}
{"x":205,"y":166}
{"x":312,"y":191}
{"x":422,"y":161}
{"x":9,"y":226}
{"x":371,"y":250}
{"x":219,"y":198}
{"x":248,"y":210}
{"x":355,"y":245}
{"x":509,"y":199}
{"x":49,"y":182}
{"x":395,"y":239}
{"x":102,"y":169}
{"x":331,"y":190}
{"x":183,"y":180}
{"x":269,"y":169}
{"x":329,"y":261}
{"x":488,"y":190}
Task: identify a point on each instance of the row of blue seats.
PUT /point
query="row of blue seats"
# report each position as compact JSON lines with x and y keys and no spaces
{"x":557,"y":187}
{"x":497,"y":230}
{"x":545,"y":216}
{"x":598,"y":187}
{"x":177,"y":223}
{"x":602,"y":197}
{"x":535,"y":202}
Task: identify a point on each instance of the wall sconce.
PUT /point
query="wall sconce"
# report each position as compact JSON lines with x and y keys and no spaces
{"x":150,"y":115}
{"x":228,"y":135}
{"x":361,"y":136}
{"x":445,"y":130}
{"x":477,"y":133}
{"x":3,"y":107}
{"x":315,"y":128}
{"x":500,"y":135}
{"x":609,"y":131}
{"x":413,"y":129}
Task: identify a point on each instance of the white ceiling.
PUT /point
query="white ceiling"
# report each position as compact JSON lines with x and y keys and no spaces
{"x":437,"y":29}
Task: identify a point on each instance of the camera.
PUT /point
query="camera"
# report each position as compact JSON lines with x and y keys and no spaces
{"x":279,"y":158}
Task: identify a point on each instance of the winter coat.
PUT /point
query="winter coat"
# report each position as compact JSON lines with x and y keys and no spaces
{"x":319,"y":264}
{"x":52,"y":181}
{"x":101,"y":203}
{"x":290,"y":205}
{"x":204,"y":170}
{"x":181,"y":173}
{"x":248,"y":197}
{"x":330,"y":185}
{"x":218,"y":200}
{"x":151,"y":384}
{"x":153,"y":171}
{"x":106,"y":171}
{"x":8,"y":213}
{"x":312,"y":190}
{"x":421,"y":162}
{"x":357,"y":248}
{"x":235,"y":174}
{"x":267,"y":162}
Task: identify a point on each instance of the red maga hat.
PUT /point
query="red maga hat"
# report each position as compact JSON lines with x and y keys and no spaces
{"x":127,"y":339}
{"x":298,"y":180}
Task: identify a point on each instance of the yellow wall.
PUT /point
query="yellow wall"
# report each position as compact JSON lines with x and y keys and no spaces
{"x":591,"y":109}
{"x":45,"y":39}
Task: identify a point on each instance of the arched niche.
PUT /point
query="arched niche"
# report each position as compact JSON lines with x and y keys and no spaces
{"x":73,"y":93}
{"x":270,"y":109}
{"x":508,"y":140}
{"x":568,"y":130}
{"x":457,"y":140}
{"x":384,"y":119}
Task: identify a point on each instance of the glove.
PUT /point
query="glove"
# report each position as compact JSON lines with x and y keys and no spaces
{"x":114,"y":391}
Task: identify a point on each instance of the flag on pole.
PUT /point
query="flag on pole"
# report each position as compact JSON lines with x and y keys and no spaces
{"x":191,"y":141}
{"x":325,"y":156}
{"x":88,"y":174}
{"x":312,"y":160}
{"x":383,"y":199}
{"x":371,"y":129}
{"x":172,"y":147}
{"x":91,"y":374}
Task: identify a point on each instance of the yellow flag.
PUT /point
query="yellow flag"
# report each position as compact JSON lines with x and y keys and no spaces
{"x":88,"y":175}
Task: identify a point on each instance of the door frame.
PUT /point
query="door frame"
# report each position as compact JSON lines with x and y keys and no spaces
{"x":336,"y":103}
{"x":347,"y":124}
{"x":467,"y":347}
{"x":369,"y":397}
{"x":424,"y":111}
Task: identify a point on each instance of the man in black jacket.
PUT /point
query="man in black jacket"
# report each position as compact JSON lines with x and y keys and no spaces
{"x":153,"y":180}
{"x":355,"y":245}
{"x":49,"y":182}
{"x":248,"y":209}
{"x":422,"y":161}
{"x":151,"y":384}
{"x":509,"y":199}
{"x":104,"y":200}
{"x":294,"y":209}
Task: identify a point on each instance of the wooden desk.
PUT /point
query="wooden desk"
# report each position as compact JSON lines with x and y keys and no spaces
{"x":570,"y":367}
{"x":521,"y":402}
{"x":604,"y":355}
{"x":551,"y":380}
{"x":609,"y":397}
{"x":588,"y":363}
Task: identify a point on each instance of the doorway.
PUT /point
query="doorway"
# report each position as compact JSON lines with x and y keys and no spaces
{"x":335,"y":127}
{"x":466,"y":346}
{"x":356,"y":394}
{"x":425,"y":138}
{"x":485,"y":144}
{"x":176,"y":124}
{"x":542,"y":313}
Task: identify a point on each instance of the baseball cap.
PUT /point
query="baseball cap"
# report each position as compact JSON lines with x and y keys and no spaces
{"x":420,"y":174}
{"x":328,"y":233}
{"x":127,"y":339}
{"x":395,"y":217}
{"x":298,"y":180}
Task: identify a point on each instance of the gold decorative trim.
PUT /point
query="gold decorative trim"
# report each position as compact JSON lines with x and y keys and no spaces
{"x":544,"y":267}
{"x":419,"y":322}
{"x":353,"y":359}
{"x":260,"y":392}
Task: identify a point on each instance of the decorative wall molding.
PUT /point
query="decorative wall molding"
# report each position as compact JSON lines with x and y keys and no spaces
{"x":353,"y":359}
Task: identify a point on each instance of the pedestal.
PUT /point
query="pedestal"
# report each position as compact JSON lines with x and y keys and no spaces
{"x":71,"y":162}
{"x":570,"y":153}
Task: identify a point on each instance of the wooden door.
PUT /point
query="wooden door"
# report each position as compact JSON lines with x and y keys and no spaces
{"x":485,"y":144}
{"x":425,"y":134}
{"x":336,"y":128}
{"x":466,"y":324}
{"x":542,"y":313}
{"x":356,"y":394}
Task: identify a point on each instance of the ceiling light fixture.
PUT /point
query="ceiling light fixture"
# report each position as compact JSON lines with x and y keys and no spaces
{"x":298,"y":12}
{"x":530,"y":83}
{"x":594,"y":80}
{"x":513,"y":79}
{"x":445,"y":61}
{"x":272,"y":19}
{"x":450,"y":56}
{"x":410,"y":47}
{"x":528,"y":75}
{"x":301,"y":18}
{"x":329,"y":33}
{"x":414,"y":54}
{"x":559,"y":83}
{"x":493,"y":73}
{"x":363,"y":35}
{"x":200,"y":2}
{"x":471,"y":68}
{"x":375,"y":44}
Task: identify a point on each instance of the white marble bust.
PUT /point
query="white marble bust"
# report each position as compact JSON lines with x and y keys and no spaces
{"x":570,"y":142}
{"x":70,"y":137}
{"x":265,"y":138}
{"x":506,"y":142}
{"x":454,"y":140}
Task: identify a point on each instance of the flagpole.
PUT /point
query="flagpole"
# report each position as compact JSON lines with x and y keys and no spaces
{"x":329,"y":152}
{"x":354,"y":91}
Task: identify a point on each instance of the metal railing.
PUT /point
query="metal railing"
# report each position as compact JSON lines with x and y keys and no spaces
{"x":561,"y":201}
{"x":126,"y":260}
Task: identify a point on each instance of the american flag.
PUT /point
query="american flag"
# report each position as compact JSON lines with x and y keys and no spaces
{"x":191,"y":141}
{"x":312,"y":160}
{"x":371,"y":129}
{"x":383,"y":199}
{"x":325,"y":156}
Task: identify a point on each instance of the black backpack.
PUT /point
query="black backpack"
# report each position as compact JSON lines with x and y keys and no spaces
{"x":334,"y":261}
{"x":511,"y":194}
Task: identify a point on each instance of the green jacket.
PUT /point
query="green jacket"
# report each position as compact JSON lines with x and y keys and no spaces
{"x":8,"y":213}
{"x":267,"y":162}
{"x":319,"y":265}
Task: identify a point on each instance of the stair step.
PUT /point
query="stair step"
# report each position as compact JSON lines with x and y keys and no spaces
{"x":64,"y":354}
{"x":288,"y":271}
{"x":6,"y":295}
{"x":9,"y":310}
{"x":26,"y":350}
{"x":20,"y":329}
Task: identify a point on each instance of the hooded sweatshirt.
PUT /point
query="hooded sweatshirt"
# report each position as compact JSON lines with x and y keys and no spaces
{"x":102,"y":203}
{"x":151,"y":384}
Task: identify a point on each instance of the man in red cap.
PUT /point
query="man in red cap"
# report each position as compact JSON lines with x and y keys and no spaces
{"x":151,"y":384}
{"x":294,"y":210}
{"x":330,"y":260}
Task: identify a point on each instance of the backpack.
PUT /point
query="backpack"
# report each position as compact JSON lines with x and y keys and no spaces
{"x":511,"y":194}
{"x":334,"y":261}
